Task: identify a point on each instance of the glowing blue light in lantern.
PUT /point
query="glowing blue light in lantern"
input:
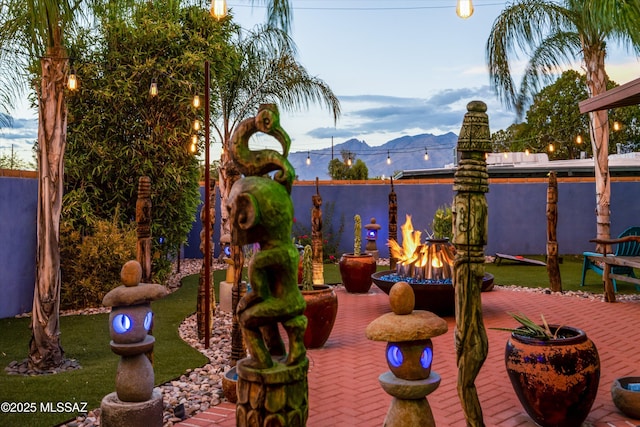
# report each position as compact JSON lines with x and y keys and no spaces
{"x":426,"y":358}
{"x":372,"y":234}
{"x":122,"y":323}
{"x":394,"y":356}
{"x":147,"y":321}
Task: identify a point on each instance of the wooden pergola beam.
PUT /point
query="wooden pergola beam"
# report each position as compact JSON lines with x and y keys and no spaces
{"x":621,"y":96}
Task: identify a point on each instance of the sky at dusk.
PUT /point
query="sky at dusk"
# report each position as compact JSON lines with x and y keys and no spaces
{"x":402,"y":67}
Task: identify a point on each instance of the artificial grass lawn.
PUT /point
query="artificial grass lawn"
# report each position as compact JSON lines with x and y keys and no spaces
{"x":86,"y":338}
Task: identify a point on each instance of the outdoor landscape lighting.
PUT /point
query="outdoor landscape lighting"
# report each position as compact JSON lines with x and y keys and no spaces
{"x":464,"y":8}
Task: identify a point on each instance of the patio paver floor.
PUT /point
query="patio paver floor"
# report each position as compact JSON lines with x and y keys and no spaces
{"x":343,"y":376}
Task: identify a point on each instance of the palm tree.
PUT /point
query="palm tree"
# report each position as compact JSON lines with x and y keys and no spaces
{"x":555,"y":33}
{"x":262,"y":69}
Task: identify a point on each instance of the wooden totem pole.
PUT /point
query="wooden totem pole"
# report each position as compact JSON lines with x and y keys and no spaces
{"x":272,"y":385}
{"x":393,"y":223}
{"x":470,"y":215}
{"x":316,"y":237}
{"x":553,"y":264}
{"x":143,"y":221}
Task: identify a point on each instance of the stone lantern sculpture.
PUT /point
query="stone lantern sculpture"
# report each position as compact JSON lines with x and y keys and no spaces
{"x":372,"y":234}
{"x":135,"y":402}
{"x":409,"y":354}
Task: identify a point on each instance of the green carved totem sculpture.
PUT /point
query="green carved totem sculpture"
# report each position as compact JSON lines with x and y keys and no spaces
{"x":272,"y":382}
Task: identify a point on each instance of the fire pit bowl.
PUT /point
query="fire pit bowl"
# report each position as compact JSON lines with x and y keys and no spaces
{"x":438,"y":298}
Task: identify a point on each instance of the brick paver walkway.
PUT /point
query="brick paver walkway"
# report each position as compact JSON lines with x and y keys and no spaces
{"x":343,"y":378}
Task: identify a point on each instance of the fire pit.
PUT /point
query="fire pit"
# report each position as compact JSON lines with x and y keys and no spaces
{"x":427,"y":267}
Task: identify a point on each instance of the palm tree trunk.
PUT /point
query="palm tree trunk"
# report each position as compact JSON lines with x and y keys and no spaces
{"x":599,"y":131}
{"x":45,"y":351}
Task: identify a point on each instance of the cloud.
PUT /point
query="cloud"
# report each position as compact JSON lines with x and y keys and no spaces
{"x":440,"y":113}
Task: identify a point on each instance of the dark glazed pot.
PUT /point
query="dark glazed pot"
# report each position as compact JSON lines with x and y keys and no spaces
{"x":321,"y":311}
{"x":356,"y":272}
{"x":556,"y":380}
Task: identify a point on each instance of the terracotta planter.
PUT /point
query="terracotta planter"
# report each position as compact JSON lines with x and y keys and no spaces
{"x":556,"y":380}
{"x":356,"y":272}
{"x":321,"y":311}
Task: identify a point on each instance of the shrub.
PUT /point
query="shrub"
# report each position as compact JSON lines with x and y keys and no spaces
{"x":442,"y":223}
{"x":91,"y":264}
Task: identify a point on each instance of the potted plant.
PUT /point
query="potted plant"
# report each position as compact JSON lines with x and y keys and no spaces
{"x":322,"y":305}
{"x":356,"y":268}
{"x":554,"y":370}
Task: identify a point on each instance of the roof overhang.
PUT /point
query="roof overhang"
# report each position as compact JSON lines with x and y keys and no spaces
{"x":621,"y":96}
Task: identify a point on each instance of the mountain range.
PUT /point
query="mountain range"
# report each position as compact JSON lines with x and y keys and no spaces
{"x":405,"y":153}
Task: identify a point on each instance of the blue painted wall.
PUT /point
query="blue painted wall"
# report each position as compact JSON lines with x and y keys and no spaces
{"x":517,"y":220}
{"x":18,"y":207}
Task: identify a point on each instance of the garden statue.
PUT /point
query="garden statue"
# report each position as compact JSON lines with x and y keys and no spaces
{"x":409,"y":353}
{"x":393,"y":223}
{"x":135,"y":402}
{"x":272,"y":383}
{"x":372,"y":234}
{"x":470,"y":216}
{"x":143,"y":220}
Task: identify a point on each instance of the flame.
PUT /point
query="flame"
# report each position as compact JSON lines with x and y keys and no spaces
{"x":407,"y":253}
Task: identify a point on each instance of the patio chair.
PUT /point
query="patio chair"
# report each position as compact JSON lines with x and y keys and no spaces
{"x":630,"y":248}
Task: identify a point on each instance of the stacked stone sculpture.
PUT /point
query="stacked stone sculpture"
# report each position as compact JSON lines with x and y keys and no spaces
{"x":409,"y":354}
{"x":135,"y":401}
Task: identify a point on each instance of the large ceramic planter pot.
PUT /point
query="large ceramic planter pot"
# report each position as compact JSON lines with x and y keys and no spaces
{"x":356,"y":271}
{"x":556,"y":380}
{"x":321,"y":311}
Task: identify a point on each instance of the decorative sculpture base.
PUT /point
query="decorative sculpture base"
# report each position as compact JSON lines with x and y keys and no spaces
{"x":116,"y":413}
{"x":409,"y":406}
{"x":276,"y":396}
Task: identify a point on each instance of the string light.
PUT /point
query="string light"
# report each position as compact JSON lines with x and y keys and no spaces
{"x":349,"y":160}
{"x":617,"y":126}
{"x":464,"y":8}
{"x":153,"y":89}
{"x":551,"y":147}
{"x":218,"y":8}
{"x":426,"y":154}
{"x":72,"y":81}
{"x":196,"y":125}
{"x":388,"y":158}
{"x":579,"y":139}
{"x":308,"y":159}
{"x":194,"y":143}
{"x":196,"y":101}
{"x":526,"y":152}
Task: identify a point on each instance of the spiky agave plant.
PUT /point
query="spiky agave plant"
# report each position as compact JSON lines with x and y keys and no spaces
{"x":531,"y":329}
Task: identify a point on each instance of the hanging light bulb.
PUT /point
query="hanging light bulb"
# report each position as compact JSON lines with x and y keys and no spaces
{"x":308,"y":159}
{"x":196,"y":101}
{"x":617,"y":126}
{"x":551,"y":147}
{"x":388,"y":158}
{"x":464,"y":8}
{"x":194,"y":143}
{"x":196,"y":125}
{"x":218,"y":8}
{"x":153,"y":89}
{"x":349,"y":160}
{"x":579,"y":139}
{"x":72,"y":81}
{"x":426,"y":154}
{"x":526,"y":152}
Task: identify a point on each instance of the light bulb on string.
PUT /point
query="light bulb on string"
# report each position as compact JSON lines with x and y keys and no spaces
{"x":196,"y":125}
{"x":72,"y":81}
{"x":196,"y":101}
{"x":426,"y":154}
{"x":464,"y":8}
{"x":308,"y":159}
{"x":218,"y":8}
{"x":388,"y":158}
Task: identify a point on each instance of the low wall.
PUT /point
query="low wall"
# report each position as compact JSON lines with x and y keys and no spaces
{"x":517,"y":218}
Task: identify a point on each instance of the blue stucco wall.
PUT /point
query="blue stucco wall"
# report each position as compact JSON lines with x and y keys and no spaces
{"x":18,"y":207}
{"x":517,"y":220}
